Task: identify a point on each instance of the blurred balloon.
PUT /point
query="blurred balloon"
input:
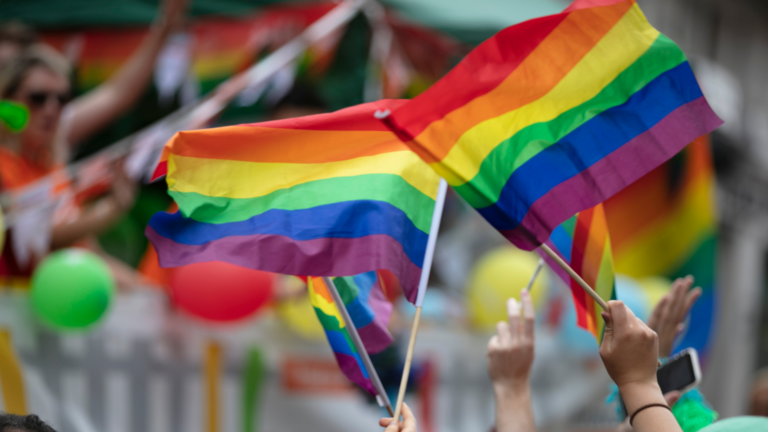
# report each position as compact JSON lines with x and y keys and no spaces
{"x":498,"y":275}
{"x":298,"y":314}
{"x":71,"y":289}
{"x":14,"y":115}
{"x":632,"y":294}
{"x":219,"y":291}
{"x":655,"y":288}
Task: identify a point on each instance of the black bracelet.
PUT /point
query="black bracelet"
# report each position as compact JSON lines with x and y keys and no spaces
{"x":631,"y":419}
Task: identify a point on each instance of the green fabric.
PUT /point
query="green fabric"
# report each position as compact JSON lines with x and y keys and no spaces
{"x":739,"y":424}
{"x":389,"y":188}
{"x":485,"y":188}
{"x":61,"y":14}
{"x":692,"y":411}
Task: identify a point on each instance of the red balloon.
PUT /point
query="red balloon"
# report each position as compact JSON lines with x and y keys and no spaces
{"x":221,"y":292}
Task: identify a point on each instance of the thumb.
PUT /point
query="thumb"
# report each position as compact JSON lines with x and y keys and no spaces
{"x":608,"y":331}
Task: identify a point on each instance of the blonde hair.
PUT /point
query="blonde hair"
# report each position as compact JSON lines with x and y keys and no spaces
{"x":37,"y":55}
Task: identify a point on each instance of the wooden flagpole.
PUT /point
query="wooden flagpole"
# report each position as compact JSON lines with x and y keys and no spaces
{"x":425,"y":270}
{"x":574,"y":275}
{"x":352,"y":330}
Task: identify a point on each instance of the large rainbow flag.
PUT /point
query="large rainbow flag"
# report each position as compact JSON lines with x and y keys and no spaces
{"x":666,"y":224}
{"x":554,"y":115}
{"x":325,"y":195}
{"x":583,"y":242}
{"x":369,"y":309}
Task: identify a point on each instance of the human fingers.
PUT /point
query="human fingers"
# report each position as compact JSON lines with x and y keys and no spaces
{"x":679,"y":291}
{"x":503,"y":333}
{"x":672,"y":397}
{"x":529,"y":315}
{"x":690,"y":298}
{"x":655,"y":320}
{"x":619,"y":317}
{"x":409,"y":420}
{"x":513,"y":315}
{"x":608,"y":330}
{"x":385,"y":421}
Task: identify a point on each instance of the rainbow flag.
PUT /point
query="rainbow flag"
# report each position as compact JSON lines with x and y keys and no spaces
{"x":583,"y":242}
{"x":665,"y":224}
{"x":369,"y":310}
{"x":326,"y":195}
{"x":554,"y":115}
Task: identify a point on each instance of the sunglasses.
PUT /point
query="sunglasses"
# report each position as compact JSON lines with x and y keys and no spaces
{"x":40,"y":99}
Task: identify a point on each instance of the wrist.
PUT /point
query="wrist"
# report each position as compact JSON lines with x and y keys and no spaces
{"x":637,"y":394}
{"x":512,"y":389}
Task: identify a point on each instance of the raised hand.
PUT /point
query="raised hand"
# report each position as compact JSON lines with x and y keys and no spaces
{"x":407,"y":425}
{"x":669,"y":313}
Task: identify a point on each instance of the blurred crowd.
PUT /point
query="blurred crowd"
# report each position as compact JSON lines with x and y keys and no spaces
{"x":40,"y":78}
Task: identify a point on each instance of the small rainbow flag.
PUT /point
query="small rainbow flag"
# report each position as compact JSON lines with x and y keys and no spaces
{"x":665,"y":224}
{"x":554,"y":115}
{"x":369,"y":309}
{"x":583,"y":242}
{"x":326,"y":195}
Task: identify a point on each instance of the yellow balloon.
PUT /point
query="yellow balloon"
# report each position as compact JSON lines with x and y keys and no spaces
{"x":498,"y":275}
{"x":655,"y":288}
{"x":299,"y":315}
{"x":2,"y":230}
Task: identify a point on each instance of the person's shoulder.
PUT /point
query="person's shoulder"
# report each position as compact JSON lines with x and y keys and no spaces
{"x":740,"y":424}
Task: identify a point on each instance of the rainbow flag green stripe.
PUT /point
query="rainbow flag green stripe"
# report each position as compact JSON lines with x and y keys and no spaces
{"x":554,"y":115}
{"x":327,"y":195}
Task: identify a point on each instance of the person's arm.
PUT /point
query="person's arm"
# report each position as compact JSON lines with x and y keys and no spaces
{"x":95,"y":109}
{"x":407,"y":425}
{"x":670,"y":312}
{"x":510,"y":357}
{"x":100,"y":216}
{"x":630,"y":353}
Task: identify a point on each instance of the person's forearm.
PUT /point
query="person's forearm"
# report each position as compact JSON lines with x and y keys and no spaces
{"x":655,"y":419}
{"x":514,"y":412}
{"x":93,"y":221}
{"x":99,"y":107}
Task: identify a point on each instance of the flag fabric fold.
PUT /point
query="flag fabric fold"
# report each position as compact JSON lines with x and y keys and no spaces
{"x":369,"y":310}
{"x":583,"y":242}
{"x":554,"y":115}
{"x":327,"y":195}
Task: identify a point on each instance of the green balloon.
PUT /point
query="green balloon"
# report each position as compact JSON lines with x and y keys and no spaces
{"x":71,"y":289}
{"x":14,"y":115}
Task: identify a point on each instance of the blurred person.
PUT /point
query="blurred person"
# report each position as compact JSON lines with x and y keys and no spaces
{"x":15,"y":37}
{"x":668,"y":315}
{"x":407,"y":425}
{"x":25,"y":423}
{"x":758,"y":400}
{"x":39,"y":78}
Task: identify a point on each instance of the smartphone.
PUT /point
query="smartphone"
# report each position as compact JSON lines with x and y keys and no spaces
{"x":681,"y":372}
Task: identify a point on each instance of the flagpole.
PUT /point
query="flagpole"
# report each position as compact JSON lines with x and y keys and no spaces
{"x":425,"y":270}
{"x":535,"y":275}
{"x":352,"y":330}
{"x":575,"y":276}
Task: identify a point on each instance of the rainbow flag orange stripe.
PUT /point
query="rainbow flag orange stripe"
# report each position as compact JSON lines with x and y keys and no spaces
{"x":326,"y":195}
{"x":369,"y":309}
{"x":584,"y":243}
{"x":554,"y":115}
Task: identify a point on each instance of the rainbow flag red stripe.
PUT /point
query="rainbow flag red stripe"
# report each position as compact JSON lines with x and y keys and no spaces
{"x":325,"y":195}
{"x":584,"y":243}
{"x":554,"y":115}
{"x":369,"y":309}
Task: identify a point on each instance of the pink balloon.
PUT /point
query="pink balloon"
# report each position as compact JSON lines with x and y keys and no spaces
{"x":221,"y":292}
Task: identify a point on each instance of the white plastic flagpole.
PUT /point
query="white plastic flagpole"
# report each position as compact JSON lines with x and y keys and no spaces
{"x":352,"y":330}
{"x":425,"y":270}
{"x":535,"y":274}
